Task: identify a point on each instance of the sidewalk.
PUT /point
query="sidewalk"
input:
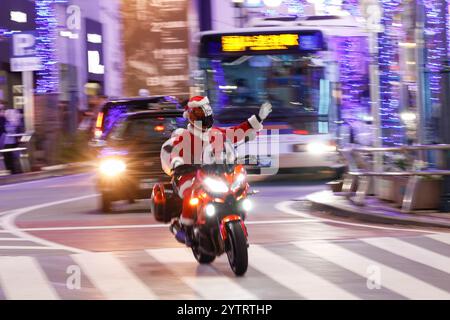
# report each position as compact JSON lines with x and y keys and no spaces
{"x":47,"y":172}
{"x":376,"y":211}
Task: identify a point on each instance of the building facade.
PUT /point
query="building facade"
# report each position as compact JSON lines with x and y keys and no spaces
{"x":79,"y":46}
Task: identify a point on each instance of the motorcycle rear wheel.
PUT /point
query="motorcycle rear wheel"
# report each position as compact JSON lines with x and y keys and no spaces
{"x":237,"y":250}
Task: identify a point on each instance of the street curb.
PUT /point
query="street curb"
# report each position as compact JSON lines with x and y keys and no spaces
{"x":322,"y":201}
{"x":47,"y":172}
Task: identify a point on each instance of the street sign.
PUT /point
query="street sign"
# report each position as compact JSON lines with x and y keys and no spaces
{"x":23,"y":53}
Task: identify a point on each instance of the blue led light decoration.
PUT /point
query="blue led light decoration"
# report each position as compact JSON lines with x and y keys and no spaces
{"x":435,"y":53}
{"x":391,"y":125}
{"x":46,"y":30}
{"x":448,"y":29}
{"x":351,"y":54}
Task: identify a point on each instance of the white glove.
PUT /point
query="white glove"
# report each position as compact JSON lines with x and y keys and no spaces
{"x":265,"y":109}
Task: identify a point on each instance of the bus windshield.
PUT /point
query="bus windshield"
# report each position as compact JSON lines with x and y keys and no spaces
{"x":296,"y":87}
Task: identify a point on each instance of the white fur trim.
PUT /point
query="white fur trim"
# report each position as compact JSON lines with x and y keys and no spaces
{"x":204,"y":135}
{"x":193,"y":104}
{"x":255,"y":123}
{"x":177,"y":161}
{"x":178,"y":132}
{"x":183,"y":188}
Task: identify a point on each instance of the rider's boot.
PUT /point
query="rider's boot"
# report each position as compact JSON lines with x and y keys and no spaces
{"x":183,"y":233}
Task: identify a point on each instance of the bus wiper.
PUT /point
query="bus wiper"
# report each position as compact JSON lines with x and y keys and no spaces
{"x":237,"y":62}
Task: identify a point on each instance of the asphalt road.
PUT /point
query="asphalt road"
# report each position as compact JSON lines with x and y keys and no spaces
{"x":55,"y":244}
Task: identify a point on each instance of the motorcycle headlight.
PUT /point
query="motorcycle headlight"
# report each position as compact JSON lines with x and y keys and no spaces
{"x":320,"y":147}
{"x":210,"y":210}
{"x":215,"y":185}
{"x":112,"y":167}
{"x":247,"y":205}
{"x":238,"y":181}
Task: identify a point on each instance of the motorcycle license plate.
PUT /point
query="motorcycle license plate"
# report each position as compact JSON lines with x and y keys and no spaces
{"x":146,"y":183}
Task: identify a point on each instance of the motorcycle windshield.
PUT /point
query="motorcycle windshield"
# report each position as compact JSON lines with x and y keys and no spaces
{"x":212,"y":154}
{"x":218,"y":169}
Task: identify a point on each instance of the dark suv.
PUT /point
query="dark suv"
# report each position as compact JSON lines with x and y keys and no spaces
{"x":129,"y":160}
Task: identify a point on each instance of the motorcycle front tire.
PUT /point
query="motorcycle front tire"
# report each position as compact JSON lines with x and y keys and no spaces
{"x":201,"y":257}
{"x":237,"y":248}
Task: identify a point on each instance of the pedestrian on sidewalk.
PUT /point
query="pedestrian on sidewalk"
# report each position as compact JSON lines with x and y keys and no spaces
{"x":2,"y":125}
{"x":13,"y":126}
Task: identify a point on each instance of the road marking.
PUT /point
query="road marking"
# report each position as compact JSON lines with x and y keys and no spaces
{"x":441,"y":237}
{"x":7,"y":222}
{"x":411,"y":252}
{"x":284,"y":206}
{"x":112,"y":277}
{"x":285,"y":221}
{"x":27,"y":248}
{"x":137,"y":226}
{"x":295,"y":277}
{"x":21,"y":278}
{"x":397,"y":281}
{"x":7,"y":212}
{"x":43,"y":179}
{"x":212,"y":286}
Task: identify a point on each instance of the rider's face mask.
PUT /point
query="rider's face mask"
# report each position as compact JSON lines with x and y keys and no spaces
{"x":205,"y":118}
{"x":208,"y":122}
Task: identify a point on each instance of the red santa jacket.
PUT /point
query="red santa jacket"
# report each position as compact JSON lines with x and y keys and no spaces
{"x":193,"y":146}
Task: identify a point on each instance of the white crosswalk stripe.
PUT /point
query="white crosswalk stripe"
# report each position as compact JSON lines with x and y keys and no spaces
{"x":441,"y":237}
{"x":112,"y":277}
{"x":21,"y":278}
{"x":294,"y":277}
{"x":212,"y":286}
{"x":395,"y":280}
{"x":412,"y":252}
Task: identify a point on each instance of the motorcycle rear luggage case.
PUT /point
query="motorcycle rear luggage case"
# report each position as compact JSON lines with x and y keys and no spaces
{"x":165,"y":204}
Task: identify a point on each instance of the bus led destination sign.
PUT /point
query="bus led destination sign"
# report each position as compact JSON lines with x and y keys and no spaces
{"x":237,"y":43}
{"x":261,"y":43}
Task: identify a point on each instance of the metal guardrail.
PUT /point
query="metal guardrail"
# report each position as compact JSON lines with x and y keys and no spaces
{"x":24,"y":157}
{"x":364,"y":177}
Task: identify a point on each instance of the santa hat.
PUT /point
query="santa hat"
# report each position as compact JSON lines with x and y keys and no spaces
{"x":194,"y":102}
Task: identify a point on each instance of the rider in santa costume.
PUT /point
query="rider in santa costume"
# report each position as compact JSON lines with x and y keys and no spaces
{"x":182,"y":154}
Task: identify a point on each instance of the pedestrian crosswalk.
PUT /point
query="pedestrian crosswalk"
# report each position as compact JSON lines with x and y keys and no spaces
{"x":377,"y":268}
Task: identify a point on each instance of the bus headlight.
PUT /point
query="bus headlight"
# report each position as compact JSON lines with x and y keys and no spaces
{"x":320,"y":147}
{"x":112,"y":167}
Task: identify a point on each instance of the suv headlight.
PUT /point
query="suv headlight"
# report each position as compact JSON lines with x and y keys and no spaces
{"x":112,"y":167}
{"x":215,"y":185}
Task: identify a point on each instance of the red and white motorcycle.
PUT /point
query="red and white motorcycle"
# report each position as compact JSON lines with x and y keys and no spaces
{"x":220,"y":200}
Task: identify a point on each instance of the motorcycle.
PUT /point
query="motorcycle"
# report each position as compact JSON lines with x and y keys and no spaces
{"x":220,"y":200}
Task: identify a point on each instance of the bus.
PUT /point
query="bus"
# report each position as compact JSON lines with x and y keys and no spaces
{"x":313,"y":70}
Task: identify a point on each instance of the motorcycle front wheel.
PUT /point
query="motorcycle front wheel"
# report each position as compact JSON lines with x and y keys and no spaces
{"x":237,"y":248}
{"x":202,"y":257}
